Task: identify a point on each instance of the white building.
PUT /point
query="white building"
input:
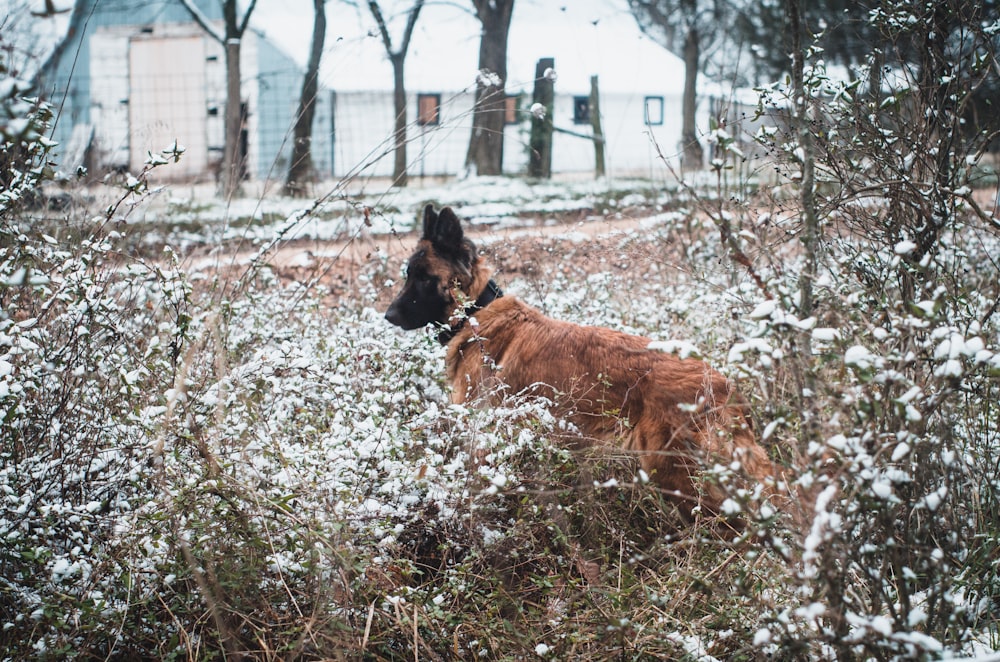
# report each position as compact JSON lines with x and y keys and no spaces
{"x":137,"y":76}
{"x":143,"y":79}
{"x":640,"y":86}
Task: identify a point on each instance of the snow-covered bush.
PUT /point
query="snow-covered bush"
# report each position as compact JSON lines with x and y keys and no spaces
{"x":23,"y":161}
{"x":202,"y":464}
{"x":881,"y":367}
{"x":193,"y":464}
{"x":86,"y":344}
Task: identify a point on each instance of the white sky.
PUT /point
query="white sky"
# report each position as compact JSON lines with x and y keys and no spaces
{"x":585,"y":37}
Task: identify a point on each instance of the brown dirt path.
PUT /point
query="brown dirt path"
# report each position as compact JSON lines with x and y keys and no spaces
{"x":336,"y":265}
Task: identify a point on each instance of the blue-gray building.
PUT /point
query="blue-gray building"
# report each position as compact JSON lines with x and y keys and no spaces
{"x":133,"y":76}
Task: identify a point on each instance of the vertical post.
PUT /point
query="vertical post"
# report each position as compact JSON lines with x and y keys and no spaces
{"x":595,"y":126}
{"x":333,"y":133}
{"x":540,"y":144}
{"x":234,"y":115}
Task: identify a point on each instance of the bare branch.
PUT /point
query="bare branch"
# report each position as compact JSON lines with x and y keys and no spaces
{"x":380,"y":22}
{"x":246,"y":16}
{"x":202,"y":20}
{"x":411,"y":21}
{"x":383,"y":27}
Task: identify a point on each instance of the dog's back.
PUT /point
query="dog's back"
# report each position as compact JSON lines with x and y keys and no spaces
{"x":676,"y":414}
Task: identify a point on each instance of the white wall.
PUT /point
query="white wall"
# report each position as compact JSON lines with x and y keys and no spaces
{"x":364,"y":126}
{"x":109,"y":101}
{"x":151,"y":88}
{"x":630,"y":148}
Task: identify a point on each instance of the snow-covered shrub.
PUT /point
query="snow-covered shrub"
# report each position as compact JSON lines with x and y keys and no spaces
{"x":85,"y":345}
{"x":893,"y":452}
{"x":24,"y":157}
{"x":881,"y":370}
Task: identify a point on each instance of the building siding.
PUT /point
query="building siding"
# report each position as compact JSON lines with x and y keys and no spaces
{"x":67,"y":79}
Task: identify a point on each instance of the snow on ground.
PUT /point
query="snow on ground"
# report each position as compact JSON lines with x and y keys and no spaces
{"x":497,"y":202}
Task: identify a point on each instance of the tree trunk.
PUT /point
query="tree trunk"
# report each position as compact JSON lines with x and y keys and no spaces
{"x":399,"y":176}
{"x":807,"y":190}
{"x":234,"y":154}
{"x":300,"y":168}
{"x":941,"y":99}
{"x":398,"y":59}
{"x":692,"y":154}
{"x":231,"y":166}
{"x":875,"y":76}
{"x":485,"y":155}
{"x":810,"y":236}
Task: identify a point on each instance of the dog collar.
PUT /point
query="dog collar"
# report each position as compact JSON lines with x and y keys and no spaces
{"x":486,"y":297}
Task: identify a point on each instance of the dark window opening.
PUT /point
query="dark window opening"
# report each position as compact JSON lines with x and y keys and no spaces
{"x":581,"y":110}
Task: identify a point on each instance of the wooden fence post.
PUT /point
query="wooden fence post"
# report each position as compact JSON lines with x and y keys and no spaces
{"x":595,"y":125}
{"x":540,"y":144}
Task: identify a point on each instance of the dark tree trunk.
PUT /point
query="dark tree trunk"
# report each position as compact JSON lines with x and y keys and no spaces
{"x":398,"y":58}
{"x":875,"y":76}
{"x":231,"y":166}
{"x":692,"y":153}
{"x":300,"y":168}
{"x":399,"y":175}
{"x":595,"y":127}
{"x":234,"y":156}
{"x":485,"y":155}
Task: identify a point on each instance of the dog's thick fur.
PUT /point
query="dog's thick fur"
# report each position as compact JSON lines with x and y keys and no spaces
{"x":678,"y":415}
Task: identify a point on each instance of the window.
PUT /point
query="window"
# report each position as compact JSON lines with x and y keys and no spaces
{"x":511,"y":104}
{"x":428,"y":109}
{"x":653,"y":111}
{"x":581,"y":110}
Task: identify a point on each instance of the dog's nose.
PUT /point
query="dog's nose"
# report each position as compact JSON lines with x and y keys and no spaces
{"x":393,"y":316}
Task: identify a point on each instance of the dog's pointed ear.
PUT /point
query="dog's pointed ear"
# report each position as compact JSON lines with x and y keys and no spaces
{"x":430,"y":222}
{"x":443,"y":229}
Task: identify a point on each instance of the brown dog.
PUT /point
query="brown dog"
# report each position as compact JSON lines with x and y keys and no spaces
{"x":678,"y":415}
